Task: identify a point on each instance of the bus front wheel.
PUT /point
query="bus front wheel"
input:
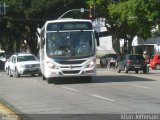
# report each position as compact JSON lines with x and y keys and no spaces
{"x":49,"y":80}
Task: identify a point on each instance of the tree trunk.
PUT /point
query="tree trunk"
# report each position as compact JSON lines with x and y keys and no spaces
{"x":116,"y":43}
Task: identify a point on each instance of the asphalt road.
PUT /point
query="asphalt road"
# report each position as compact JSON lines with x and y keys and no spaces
{"x":110,"y":94}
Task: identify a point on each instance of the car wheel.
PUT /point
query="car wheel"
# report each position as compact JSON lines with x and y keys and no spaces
{"x":7,"y":71}
{"x":136,"y":71}
{"x":43,"y":77}
{"x":40,"y":74}
{"x":10,"y":73}
{"x":157,"y":67}
{"x":16,"y":73}
{"x":119,"y":70}
{"x":125,"y":69}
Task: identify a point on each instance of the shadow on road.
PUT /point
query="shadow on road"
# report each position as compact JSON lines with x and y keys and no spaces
{"x":102,"y":79}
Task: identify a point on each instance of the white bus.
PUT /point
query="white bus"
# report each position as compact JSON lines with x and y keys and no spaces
{"x":67,"y":49}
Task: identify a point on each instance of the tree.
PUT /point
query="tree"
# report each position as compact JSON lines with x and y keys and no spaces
{"x":139,"y":16}
{"x":127,"y":18}
{"x":24,"y":16}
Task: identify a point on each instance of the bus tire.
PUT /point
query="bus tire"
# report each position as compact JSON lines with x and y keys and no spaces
{"x":49,"y":80}
{"x":10,"y":73}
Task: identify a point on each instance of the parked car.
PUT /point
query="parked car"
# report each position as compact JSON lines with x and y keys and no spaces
{"x":132,"y":62}
{"x":155,"y":61}
{"x":24,"y":64}
{"x":105,"y":59}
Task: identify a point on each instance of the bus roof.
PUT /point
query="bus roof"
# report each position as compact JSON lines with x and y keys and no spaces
{"x":66,"y":20}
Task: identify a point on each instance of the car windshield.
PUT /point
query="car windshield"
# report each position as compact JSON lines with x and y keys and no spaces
{"x":26,"y":58}
{"x":70,"y":44}
{"x":136,"y":57}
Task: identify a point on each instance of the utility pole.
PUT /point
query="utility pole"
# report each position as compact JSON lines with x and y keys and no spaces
{"x":81,"y":10}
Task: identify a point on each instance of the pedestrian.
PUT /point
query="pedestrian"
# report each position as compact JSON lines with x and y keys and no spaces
{"x":146,"y":57}
{"x":147,"y":60}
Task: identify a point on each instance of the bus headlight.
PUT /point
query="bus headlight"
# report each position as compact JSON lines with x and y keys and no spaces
{"x":90,"y":64}
{"x":51,"y":65}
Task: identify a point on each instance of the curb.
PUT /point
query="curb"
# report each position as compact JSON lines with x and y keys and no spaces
{"x":5,"y":110}
{"x":6,"y":113}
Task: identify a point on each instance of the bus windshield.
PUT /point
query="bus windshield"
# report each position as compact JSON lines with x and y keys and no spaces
{"x":70,"y":44}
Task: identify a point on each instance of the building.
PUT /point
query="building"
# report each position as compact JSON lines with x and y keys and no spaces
{"x":105,"y":40}
{"x":151,"y":45}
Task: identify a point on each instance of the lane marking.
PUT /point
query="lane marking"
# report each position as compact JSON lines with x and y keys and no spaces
{"x":71,"y":89}
{"x":141,"y":86}
{"x":93,"y":95}
{"x":104,"y":98}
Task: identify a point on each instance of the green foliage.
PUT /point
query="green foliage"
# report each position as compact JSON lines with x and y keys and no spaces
{"x":23,"y":17}
{"x":128,"y":18}
{"x":125,"y":18}
{"x":139,"y":14}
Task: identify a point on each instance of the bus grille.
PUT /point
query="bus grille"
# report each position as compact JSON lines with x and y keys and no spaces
{"x":71,"y":72}
{"x":71,"y":62}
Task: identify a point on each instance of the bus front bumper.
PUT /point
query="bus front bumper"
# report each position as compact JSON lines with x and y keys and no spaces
{"x":70,"y":72}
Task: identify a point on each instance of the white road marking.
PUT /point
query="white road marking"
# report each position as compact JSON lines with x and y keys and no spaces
{"x":141,"y":86}
{"x":71,"y":89}
{"x":104,"y":98}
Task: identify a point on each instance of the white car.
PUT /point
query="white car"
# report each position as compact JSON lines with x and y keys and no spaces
{"x":24,"y":64}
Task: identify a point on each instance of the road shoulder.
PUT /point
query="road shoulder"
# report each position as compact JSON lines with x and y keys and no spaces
{"x":6,"y":113}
